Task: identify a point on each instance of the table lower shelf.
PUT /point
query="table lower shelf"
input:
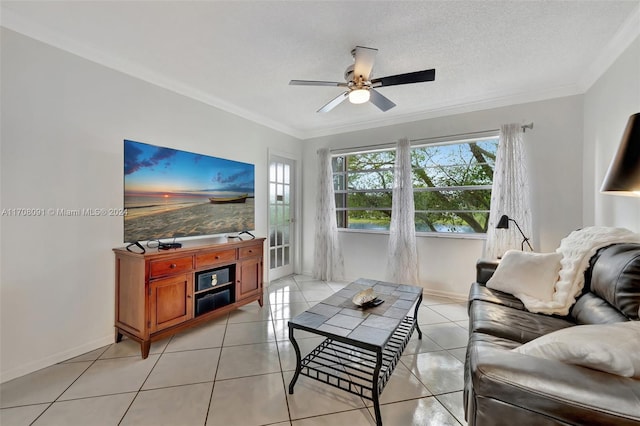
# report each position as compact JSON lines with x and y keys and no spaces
{"x":353,"y":369}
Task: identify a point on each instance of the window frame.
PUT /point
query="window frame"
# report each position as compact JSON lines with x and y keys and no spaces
{"x":415,"y":144}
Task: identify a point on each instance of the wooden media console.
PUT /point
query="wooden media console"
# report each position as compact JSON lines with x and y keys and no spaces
{"x":160,"y":293}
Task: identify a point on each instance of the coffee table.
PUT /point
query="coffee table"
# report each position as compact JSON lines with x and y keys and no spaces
{"x":362,"y":345}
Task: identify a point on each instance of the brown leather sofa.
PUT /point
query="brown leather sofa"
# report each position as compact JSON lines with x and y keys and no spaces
{"x":503,"y":387}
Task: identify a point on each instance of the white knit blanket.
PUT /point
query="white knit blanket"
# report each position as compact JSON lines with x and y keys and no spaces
{"x":577,"y":249}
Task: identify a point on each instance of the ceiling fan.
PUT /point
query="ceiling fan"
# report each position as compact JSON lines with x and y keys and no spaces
{"x":360,"y":86}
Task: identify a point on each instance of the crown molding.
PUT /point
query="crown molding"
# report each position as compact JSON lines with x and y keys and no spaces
{"x":623,"y":38}
{"x":14,"y":22}
{"x":459,"y":106}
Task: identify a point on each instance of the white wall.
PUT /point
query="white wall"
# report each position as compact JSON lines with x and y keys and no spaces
{"x":63,"y":122}
{"x":607,"y":107}
{"x":447,"y":266}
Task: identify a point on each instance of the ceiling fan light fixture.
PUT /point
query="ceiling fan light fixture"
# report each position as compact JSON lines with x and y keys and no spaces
{"x":359,"y":84}
{"x":359,"y":96}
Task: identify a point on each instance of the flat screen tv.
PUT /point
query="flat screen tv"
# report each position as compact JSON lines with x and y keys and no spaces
{"x":170,"y":193}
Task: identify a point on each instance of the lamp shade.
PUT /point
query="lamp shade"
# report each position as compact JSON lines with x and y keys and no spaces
{"x":623,"y":177}
{"x":503,"y":223}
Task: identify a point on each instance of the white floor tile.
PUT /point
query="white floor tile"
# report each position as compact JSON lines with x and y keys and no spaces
{"x":250,"y":313}
{"x":313,"y":285}
{"x":360,"y":417}
{"x":453,"y":403}
{"x":440,"y":372}
{"x":205,"y":336}
{"x":447,"y":335}
{"x":283,"y":284}
{"x":288,"y":310}
{"x":463,"y":324}
{"x":98,"y":411}
{"x":452,"y":311}
{"x":248,"y":360}
{"x":249,"y":332}
{"x":182,"y":368}
{"x":110,"y":376}
{"x":281,"y":296}
{"x":459,"y":353}
{"x":180,"y":405}
{"x":248,"y":401}
{"x":21,"y":416}
{"x":416,"y":412}
{"x":42,"y":386}
{"x":426,"y":315}
{"x":425,"y":344}
{"x":317,"y":295}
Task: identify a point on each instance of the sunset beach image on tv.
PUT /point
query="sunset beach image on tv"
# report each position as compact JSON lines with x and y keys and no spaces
{"x":170,"y":193}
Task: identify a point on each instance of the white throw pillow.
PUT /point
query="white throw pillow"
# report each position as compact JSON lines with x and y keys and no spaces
{"x":533,"y":274}
{"x":613,"y":348}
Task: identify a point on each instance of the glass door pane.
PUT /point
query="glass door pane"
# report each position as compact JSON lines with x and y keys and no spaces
{"x":281,"y":223}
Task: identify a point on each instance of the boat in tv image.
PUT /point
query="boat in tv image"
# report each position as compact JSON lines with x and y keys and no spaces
{"x":169,"y":193}
{"x":225,"y":200}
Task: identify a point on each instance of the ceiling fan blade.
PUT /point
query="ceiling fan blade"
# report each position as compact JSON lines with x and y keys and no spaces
{"x":380,"y":101}
{"x":316,"y":83}
{"x":408,"y":78}
{"x":334,"y":102}
{"x":364,"y":59}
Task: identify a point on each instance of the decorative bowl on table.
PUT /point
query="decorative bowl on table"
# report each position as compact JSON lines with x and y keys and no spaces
{"x":366,"y":298}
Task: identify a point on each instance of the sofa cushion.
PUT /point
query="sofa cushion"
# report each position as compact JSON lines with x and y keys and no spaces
{"x":523,"y":273}
{"x":591,"y":309}
{"x":480,"y":292}
{"x":612,"y":348}
{"x":616,"y":278}
{"x":509,"y":323}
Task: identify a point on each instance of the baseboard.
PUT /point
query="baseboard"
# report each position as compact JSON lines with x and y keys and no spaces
{"x":448,"y":294}
{"x":30,"y":367}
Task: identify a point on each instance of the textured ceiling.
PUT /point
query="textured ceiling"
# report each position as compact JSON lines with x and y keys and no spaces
{"x":240,"y":56}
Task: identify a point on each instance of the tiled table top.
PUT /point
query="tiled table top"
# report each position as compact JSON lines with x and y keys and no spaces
{"x":337,"y":315}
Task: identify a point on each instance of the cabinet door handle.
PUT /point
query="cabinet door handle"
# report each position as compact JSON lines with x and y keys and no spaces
{"x":250,"y":251}
{"x":188,"y":296}
{"x":172,"y":266}
{"x":217,"y":257}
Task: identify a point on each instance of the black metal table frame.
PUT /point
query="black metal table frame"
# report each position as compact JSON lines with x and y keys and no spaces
{"x":368,"y":367}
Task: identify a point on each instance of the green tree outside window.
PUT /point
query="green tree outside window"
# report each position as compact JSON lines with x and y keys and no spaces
{"x":452,"y":187}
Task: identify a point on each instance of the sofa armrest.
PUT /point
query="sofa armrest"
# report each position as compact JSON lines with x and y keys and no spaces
{"x":485,"y":269}
{"x":524,"y":387}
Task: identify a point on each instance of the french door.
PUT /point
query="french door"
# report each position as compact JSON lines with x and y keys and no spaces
{"x":282,"y":241}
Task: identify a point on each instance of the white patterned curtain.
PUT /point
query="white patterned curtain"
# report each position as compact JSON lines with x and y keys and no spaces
{"x":328,"y":264}
{"x":402,"y":264}
{"x":509,"y":194}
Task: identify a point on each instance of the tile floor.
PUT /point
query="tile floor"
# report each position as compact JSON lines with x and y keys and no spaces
{"x":236,"y":370}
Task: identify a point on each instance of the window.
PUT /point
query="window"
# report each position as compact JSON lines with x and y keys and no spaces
{"x":451,"y":184}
